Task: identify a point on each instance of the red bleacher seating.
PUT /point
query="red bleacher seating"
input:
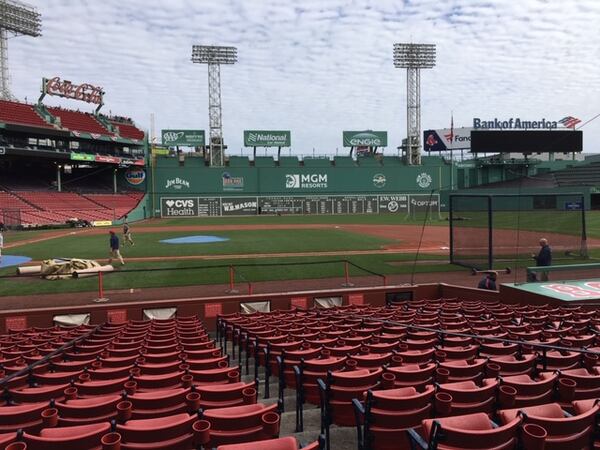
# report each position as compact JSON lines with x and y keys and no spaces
{"x":22,"y":114}
{"x":57,"y":207}
{"x":78,"y":121}
{"x":128,"y":131}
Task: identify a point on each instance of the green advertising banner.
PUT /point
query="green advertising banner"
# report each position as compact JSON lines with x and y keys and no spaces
{"x":82,"y":157}
{"x":365,"y":138}
{"x":267,"y":138}
{"x":190,"y":138}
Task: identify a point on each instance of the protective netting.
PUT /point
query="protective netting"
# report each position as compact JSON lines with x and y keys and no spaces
{"x":491,"y":231}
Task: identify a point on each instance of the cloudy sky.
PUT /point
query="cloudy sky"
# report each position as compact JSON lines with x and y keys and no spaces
{"x":318,"y":67}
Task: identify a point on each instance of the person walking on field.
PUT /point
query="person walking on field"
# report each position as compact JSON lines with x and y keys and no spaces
{"x":543,"y":258}
{"x":127,"y":239}
{"x":114,"y":248}
{"x":1,"y":244}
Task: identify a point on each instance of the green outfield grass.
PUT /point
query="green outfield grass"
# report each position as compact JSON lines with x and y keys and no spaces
{"x":240,"y":242}
{"x":363,"y":219}
{"x":250,"y":269}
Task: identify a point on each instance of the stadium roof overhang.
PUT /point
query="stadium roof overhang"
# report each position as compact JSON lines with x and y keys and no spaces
{"x":105,"y":138}
{"x":38,"y":131}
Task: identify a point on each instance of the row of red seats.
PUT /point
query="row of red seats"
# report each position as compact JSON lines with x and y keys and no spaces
{"x":512,"y":355}
{"x":159,"y":382}
{"x":21,"y":113}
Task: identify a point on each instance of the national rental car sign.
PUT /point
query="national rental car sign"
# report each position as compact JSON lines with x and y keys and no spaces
{"x":267,"y":138}
{"x":190,"y":138}
{"x":365,"y":138}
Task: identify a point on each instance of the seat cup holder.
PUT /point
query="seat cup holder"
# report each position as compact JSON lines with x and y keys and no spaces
{"x":111,"y":441}
{"x":70,"y":393}
{"x":443,"y":404}
{"x":50,"y":417}
{"x":270,"y":422}
{"x":250,"y":396}
{"x":124,"y":410}
{"x":387,"y":380}
{"x":233,"y":376}
{"x":534,"y":437}
{"x":201,"y":429}
{"x":507,"y":396}
{"x":193,"y":401}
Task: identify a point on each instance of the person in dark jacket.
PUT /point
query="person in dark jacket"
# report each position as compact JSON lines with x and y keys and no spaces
{"x":543,"y":258}
{"x":114,"y":248}
{"x":489,"y":282}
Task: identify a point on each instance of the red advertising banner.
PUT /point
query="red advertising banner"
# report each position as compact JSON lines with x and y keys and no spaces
{"x":211,"y":310}
{"x":108,"y":159}
{"x":64,"y":88}
{"x":299,"y":302}
{"x":15,"y":323}
{"x":356,"y":299}
{"x":117,"y":315}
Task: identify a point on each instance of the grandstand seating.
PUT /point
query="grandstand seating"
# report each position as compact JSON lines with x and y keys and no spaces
{"x":78,"y":121}
{"x":128,"y":131}
{"x":22,"y":114}
{"x":421,"y":380}
{"x":57,"y":207}
{"x":168,"y":384}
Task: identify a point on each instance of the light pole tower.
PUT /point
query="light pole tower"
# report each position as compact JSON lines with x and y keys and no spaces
{"x":213,"y":57}
{"x":413,"y":58}
{"x":16,"y":19}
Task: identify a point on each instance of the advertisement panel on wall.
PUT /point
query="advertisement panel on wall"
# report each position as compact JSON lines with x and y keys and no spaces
{"x":365,"y":138}
{"x":267,"y":138}
{"x":189,"y":138}
{"x":446,"y":139}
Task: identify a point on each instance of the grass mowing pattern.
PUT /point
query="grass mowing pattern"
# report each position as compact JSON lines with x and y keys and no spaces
{"x":241,"y":242}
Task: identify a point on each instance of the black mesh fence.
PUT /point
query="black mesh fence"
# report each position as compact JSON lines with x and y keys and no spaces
{"x":488,"y":231}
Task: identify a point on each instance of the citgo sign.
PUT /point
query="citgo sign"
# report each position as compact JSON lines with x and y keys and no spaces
{"x":135,"y":176}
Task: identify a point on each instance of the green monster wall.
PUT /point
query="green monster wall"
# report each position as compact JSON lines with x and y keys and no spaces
{"x":192,"y":180}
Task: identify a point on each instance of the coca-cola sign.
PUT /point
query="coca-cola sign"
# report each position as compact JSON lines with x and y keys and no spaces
{"x":64,"y":88}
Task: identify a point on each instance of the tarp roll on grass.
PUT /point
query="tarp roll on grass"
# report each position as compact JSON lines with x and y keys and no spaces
{"x":92,"y":271}
{"x":29,"y":270}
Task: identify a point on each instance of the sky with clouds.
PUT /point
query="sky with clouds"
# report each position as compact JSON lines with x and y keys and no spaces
{"x":317,"y":67}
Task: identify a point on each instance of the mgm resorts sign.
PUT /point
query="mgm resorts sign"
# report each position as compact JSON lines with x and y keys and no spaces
{"x":514,"y":123}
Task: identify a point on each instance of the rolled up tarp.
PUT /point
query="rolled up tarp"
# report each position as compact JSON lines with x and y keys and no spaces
{"x":29,"y":270}
{"x":92,"y":271}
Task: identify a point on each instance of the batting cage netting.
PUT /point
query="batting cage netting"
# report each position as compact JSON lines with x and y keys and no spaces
{"x":10,"y":217}
{"x":489,"y":231}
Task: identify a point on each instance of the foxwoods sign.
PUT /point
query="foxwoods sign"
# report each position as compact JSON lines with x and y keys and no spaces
{"x":514,"y":123}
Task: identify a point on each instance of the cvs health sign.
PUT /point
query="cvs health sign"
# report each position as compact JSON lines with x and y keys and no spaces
{"x":179,"y":207}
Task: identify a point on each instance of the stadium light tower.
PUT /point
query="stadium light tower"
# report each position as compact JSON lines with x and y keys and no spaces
{"x":213,"y":57}
{"x":16,"y":19}
{"x":413,"y":58}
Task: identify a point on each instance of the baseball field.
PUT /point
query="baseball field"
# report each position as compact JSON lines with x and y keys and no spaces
{"x":263,"y":248}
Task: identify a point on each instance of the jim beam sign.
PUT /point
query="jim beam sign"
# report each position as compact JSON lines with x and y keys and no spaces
{"x":179,"y":207}
{"x":64,"y":88}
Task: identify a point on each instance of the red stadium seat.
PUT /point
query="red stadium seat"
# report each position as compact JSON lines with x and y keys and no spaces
{"x":68,"y":438}
{"x":242,"y":424}
{"x":564,"y":431}
{"x":471,"y":431}
{"x":386,"y":415}
{"x":286,"y":443}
